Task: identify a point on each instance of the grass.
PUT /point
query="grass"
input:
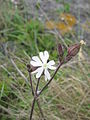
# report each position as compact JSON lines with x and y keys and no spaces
{"x":67,"y":97}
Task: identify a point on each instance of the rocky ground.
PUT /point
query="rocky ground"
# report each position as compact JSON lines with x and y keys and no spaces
{"x":79,"y":8}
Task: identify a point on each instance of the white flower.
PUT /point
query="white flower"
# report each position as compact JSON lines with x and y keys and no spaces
{"x":82,"y":42}
{"x":42,"y":65}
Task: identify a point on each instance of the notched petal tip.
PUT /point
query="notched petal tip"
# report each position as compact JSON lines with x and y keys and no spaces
{"x":41,"y":56}
{"x":44,"y":56}
{"x":46,"y":52}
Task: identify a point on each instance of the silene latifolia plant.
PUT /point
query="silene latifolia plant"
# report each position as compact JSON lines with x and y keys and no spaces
{"x":41,"y":65}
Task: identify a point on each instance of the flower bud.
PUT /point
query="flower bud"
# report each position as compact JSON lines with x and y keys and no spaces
{"x":31,"y":68}
{"x":60,"y":52}
{"x":72,"y":51}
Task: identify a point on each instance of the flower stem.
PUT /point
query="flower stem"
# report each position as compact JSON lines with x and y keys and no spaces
{"x":35,"y":94}
{"x":32,"y":108}
{"x":32,"y":88}
{"x":60,"y":64}
{"x":31,"y":83}
{"x":34,"y":100}
{"x":40,"y":110}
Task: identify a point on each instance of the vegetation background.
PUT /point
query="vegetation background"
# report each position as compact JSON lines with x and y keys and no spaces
{"x":37,"y":25}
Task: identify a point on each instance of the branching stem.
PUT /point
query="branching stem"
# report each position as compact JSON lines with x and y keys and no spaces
{"x":37,"y":95}
{"x":60,"y":64}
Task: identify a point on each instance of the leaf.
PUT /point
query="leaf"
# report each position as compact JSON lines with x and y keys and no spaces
{"x":60,"y":10}
{"x":88,"y":75}
{"x":58,"y":1}
{"x":2,"y":90}
{"x":67,"y":7}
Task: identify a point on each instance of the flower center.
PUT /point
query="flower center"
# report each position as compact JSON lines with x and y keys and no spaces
{"x":45,"y":66}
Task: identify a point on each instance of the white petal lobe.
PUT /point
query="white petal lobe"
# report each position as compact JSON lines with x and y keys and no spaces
{"x":39,"y":72}
{"x":50,"y":65}
{"x":46,"y":55}
{"x":35,"y":64}
{"x":41,"y":56}
{"x":36,"y":59}
{"x":47,"y":74}
{"x":51,"y":62}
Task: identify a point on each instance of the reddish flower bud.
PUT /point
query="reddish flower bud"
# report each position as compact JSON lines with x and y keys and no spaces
{"x":72,"y":51}
{"x":60,"y":52}
{"x":31,"y":68}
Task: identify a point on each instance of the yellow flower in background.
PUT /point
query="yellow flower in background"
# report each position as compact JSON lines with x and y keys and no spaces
{"x":65,"y":25}
{"x":63,"y":28}
{"x":69,"y":19}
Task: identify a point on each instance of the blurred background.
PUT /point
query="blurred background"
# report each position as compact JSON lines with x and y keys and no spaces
{"x":28,"y":27}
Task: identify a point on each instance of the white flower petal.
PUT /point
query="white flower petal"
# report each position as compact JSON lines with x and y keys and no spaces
{"x":39,"y":72}
{"x":45,"y":78}
{"x":47,"y":75}
{"x":46,"y":55}
{"x":36,"y":59}
{"x":41,"y":56}
{"x":50,"y":65}
{"x":51,"y":62}
{"x":35,"y":64}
